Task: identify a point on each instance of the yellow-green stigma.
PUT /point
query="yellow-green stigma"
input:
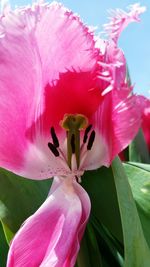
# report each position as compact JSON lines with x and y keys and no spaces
{"x":73,"y":124}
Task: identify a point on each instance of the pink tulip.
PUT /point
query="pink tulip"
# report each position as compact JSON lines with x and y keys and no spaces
{"x":65,"y":107}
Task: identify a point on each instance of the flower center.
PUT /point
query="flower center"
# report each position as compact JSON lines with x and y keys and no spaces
{"x":73,"y":125}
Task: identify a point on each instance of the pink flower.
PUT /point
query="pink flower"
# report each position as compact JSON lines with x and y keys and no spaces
{"x":145,"y":102}
{"x":65,"y":107}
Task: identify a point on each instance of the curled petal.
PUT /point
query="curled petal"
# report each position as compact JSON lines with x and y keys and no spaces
{"x":114,"y":61}
{"x":51,"y":236}
{"x":86,"y":206}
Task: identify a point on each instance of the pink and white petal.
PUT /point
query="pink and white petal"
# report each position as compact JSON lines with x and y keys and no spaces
{"x":20,"y":81}
{"x":48,"y":237}
{"x":120,"y":20}
{"x":23,"y":148}
{"x":118,"y":120}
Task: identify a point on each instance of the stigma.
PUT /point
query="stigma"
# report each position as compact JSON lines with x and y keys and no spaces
{"x":73,"y":124}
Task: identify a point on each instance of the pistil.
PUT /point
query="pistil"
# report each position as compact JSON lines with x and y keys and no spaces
{"x":73,"y":124}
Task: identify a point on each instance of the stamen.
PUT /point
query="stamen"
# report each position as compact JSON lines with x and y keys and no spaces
{"x":73,"y":143}
{"x":54,"y":137}
{"x":91,"y":140}
{"x":53,"y":149}
{"x":87,"y":130}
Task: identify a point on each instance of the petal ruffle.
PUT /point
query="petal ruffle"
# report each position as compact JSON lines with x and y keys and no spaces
{"x":51,"y":236}
{"x":120,"y":20}
{"x":64,"y":42}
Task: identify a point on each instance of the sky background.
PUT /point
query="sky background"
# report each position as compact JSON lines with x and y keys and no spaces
{"x":135,"y":40}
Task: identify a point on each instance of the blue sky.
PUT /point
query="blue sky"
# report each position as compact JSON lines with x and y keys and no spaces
{"x":135,"y":40}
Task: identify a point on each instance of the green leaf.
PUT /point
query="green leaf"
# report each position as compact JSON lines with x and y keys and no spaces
{"x":83,"y":259}
{"x":89,"y":254}
{"x":145,"y":167}
{"x":8,"y":233}
{"x":139,"y":178}
{"x":108,"y":245}
{"x":138,"y":150}
{"x":19,"y":198}
{"x":137,"y":253}
{"x":100,"y":186}
{"x":3,"y":247}
{"x":95,"y":257}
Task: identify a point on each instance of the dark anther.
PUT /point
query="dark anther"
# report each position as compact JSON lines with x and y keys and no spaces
{"x":54,"y":137}
{"x":87,"y":130}
{"x":73,"y":143}
{"x":53,"y":149}
{"x":91,"y":140}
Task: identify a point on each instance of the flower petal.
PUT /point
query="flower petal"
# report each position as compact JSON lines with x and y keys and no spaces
{"x":50,"y":236}
{"x":23,"y":149}
{"x":43,"y":48}
{"x":19,"y":90}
